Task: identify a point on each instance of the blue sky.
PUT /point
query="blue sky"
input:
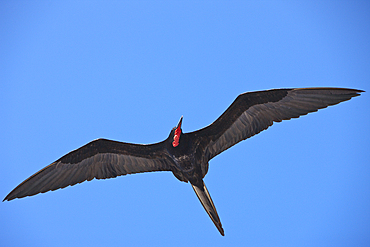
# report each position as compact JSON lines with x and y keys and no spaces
{"x":74,"y":71}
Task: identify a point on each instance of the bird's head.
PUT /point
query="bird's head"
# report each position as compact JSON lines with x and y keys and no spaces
{"x":176,"y":134}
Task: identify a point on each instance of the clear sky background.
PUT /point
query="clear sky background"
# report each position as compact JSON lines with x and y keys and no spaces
{"x":74,"y":71}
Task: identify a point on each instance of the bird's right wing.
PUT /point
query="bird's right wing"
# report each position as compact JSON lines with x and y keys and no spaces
{"x":253,"y":112}
{"x":98,"y":159}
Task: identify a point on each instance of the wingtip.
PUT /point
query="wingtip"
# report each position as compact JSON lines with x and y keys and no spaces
{"x":359,"y":91}
{"x":7,"y":198}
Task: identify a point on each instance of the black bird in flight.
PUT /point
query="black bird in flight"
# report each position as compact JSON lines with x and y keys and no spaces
{"x":186,"y":155}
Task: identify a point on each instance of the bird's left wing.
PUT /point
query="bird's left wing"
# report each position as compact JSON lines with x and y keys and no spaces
{"x":254,"y":112}
{"x":98,"y":159}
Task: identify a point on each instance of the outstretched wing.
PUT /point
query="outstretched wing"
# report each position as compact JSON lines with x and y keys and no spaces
{"x":253,"y":112}
{"x":98,"y":159}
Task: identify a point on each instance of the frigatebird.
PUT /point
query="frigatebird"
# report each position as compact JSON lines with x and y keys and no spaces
{"x":186,"y":155}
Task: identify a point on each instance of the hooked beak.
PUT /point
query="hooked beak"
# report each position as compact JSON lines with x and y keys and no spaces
{"x":179,"y":124}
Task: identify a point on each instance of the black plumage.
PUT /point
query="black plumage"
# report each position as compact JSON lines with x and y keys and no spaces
{"x":185,"y":154}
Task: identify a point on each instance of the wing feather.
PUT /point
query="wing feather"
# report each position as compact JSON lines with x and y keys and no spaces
{"x":98,"y":159}
{"x":254,"y":112}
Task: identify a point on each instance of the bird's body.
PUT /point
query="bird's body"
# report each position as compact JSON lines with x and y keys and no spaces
{"x":185,"y":154}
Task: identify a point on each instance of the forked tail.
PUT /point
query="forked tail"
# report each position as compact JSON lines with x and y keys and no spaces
{"x":208,"y":205}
